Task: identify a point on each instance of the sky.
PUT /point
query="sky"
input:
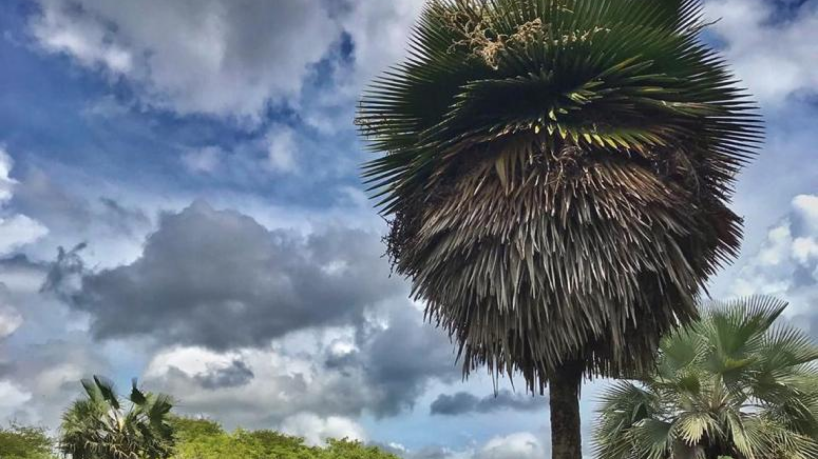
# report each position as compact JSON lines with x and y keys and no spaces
{"x":180,"y":202}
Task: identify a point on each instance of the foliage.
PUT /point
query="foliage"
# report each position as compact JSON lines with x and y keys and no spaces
{"x":99,"y":427}
{"x":557,"y":175}
{"x":734,"y":384}
{"x":21,"y":442}
{"x":204,"y":439}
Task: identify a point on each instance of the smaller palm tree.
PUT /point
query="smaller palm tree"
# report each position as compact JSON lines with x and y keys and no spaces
{"x":99,"y":427}
{"x":734,"y":384}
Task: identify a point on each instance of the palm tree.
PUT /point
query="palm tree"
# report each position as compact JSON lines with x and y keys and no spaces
{"x":98,"y":427}
{"x":733,"y":384}
{"x":557,"y":175}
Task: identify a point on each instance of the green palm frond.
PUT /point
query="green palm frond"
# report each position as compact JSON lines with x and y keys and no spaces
{"x":755,"y":393}
{"x":557,"y":175}
{"x":98,"y":427}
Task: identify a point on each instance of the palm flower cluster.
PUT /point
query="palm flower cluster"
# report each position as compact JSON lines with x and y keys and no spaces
{"x":734,"y":385}
{"x":557,"y":175}
{"x":99,"y":427}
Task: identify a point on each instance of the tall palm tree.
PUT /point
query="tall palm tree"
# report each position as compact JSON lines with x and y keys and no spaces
{"x":99,"y":427}
{"x":733,"y":384}
{"x":557,"y":175}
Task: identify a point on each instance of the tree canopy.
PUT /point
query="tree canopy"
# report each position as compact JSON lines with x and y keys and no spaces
{"x":21,"y":442}
{"x":205,"y":439}
{"x":739,"y":383}
{"x":557,"y":174}
{"x":102,"y":426}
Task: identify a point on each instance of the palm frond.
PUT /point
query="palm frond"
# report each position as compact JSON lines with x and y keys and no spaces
{"x":734,"y":383}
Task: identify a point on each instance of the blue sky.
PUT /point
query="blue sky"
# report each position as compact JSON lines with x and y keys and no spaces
{"x":203,"y":155}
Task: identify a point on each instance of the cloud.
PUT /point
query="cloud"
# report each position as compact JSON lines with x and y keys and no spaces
{"x":773,"y":55}
{"x":234,"y":59}
{"x":12,"y":399}
{"x":204,"y":160}
{"x":786,"y":264}
{"x":462,"y":403}
{"x":49,"y":373}
{"x":116,"y":228}
{"x":316,"y":430}
{"x":219,"y":57}
{"x":402,"y":357}
{"x":219,"y":279}
{"x":515,"y":446}
{"x":380,"y":367}
{"x":10,"y":319}
{"x":281,"y":149}
{"x":236,"y":374}
{"x":520,"y":445}
{"x":16,"y":230}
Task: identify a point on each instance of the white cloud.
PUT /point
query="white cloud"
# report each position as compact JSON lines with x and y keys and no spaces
{"x":515,"y":446}
{"x":205,"y":160}
{"x":232,"y":59}
{"x":281,"y":385}
{"x":6,"y":182}
{"x":316,"y":430}
{"x":216,"y":57}
{"x":80,"y":36}
{"x":10,"y":321}
{"x":16,"y":230}
{"x":12,"y":399}
{"x":774,"y":59}
{"x":786,"y":265}
{"x":282,"y":149}
{"x":520,"y":445}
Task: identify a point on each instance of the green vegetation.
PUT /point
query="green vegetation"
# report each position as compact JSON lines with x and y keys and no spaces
{"x":205,"y":439}
{"x":19,"y":442}
{"x":734,"y":384}
{"x":557,"y":175}
{"x":99,"y":427}
{"x":196,"y":439}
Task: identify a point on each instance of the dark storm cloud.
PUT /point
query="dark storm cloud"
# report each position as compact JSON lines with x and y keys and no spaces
{"x":465,"y":403}
{"x":236,"y":375}
{"x":221,"y":280}
{"x":400,"y":361}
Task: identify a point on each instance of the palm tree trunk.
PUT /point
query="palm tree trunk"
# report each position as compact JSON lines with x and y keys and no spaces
{"x":566,"y":436}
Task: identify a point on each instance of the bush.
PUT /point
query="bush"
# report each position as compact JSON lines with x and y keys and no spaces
{"x":20,"y":442}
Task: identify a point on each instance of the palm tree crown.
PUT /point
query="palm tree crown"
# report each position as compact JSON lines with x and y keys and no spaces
{"x":733,"y":384}
{"x":557,"y":175}
{"x":98,"y":427}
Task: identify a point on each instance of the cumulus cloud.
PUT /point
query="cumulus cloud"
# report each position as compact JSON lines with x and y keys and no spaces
{"x":219,"y":279}
{"x":521,"y":445}
{"x":316,"y":430}
{"x":771,"y":51}
{"x":116,"y":228}
{"x":786,"y":264}
{"x":515,"y":446}
{"x":281,"y":149}
{"x":204,"y":160}
{"x":379,"y":367}
{"x":16,"y":230}
{"x":233,"y":59}
{"x":236,"y":374}
{"x":49,"y":350}
{"x":10,"y":319}
{"x":12,"y":399}
{"x":462,"y":403}
{"x":49,"y":373}
{"x":218,"y":57}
